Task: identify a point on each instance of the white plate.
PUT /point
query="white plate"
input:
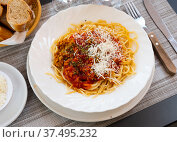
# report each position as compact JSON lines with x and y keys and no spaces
{"x":40,"y":59}
{"x":82,"y":116}
{"x":19,"y":95}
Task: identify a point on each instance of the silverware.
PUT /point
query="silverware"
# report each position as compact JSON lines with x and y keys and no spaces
{"x":158,"y":21}
{"x":167,"y":62}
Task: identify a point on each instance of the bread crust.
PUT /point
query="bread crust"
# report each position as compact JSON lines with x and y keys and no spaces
{"x":3,"y":20}
{"x":1,"y":10}
{"x":4,"y":33}
{"x":23,"y":26}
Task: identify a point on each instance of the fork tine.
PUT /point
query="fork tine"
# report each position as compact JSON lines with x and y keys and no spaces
{"x":130,"y":10}
{"x":136,"y":10}
{"x":133,"y":10}
{"x":127,"y":9}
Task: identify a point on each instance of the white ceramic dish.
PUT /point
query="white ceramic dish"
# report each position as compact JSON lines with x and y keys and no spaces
{"x":40,"y":59}
{"x":9,"y":89}
{"x":82,"y":116}
{"x":19,"y":95}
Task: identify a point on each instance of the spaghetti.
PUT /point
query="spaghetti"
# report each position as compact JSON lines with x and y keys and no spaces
{"x":93,"y":58}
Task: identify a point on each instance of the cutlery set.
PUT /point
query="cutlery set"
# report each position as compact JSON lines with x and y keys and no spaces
{"x":134,"y":12}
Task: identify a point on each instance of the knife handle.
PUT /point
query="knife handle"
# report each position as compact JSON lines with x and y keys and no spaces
{"x":167,"y":62}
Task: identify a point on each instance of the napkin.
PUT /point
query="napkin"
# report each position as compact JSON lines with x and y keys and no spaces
{"x":17,"y":38}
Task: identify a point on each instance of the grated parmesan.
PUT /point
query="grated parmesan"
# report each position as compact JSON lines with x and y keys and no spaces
{"x":103,"y":50}
{"x":3,"y":90}
{"x":104,"y":53}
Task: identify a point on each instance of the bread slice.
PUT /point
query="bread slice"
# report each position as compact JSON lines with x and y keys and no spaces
{"x":4,"y":33}
{"x":3,"y":20}
{"x":1,"y":10}
{"x":19,"y":15}
{"x":4,"y":2}
{"x":29,"y":2}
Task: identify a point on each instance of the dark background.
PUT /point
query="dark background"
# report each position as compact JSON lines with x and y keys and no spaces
{"x":173,"y":4}
{"x":160,"y":114}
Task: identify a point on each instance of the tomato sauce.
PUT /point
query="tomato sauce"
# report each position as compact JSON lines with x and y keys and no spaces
{"x":75,"y":61}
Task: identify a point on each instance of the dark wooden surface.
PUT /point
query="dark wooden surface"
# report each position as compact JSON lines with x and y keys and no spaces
{"x":173,"y":4}
{"x":160,"y":114}
{"x":45,"y":1}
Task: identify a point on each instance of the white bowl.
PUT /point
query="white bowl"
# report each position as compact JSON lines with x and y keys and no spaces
{"x":9,"y":90}
{"x":40,"y":60}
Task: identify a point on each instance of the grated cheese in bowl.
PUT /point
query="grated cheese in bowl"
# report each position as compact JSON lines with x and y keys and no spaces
{"x":5,"y":90}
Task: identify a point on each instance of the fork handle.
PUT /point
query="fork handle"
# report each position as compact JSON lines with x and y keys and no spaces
{"x":167,"y":62}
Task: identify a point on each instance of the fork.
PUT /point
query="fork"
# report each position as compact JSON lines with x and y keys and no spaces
{"x":167,"y":62}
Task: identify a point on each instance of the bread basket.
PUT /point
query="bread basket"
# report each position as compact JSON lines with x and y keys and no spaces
{"x":36,"y":7}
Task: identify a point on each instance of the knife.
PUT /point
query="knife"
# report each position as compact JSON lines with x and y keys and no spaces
{"x":158,"y":21}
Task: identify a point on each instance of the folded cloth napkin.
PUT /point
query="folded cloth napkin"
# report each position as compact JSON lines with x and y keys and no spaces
{"x":17,"y":38}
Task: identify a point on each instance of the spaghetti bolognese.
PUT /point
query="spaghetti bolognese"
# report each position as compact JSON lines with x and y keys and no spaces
{"x":94,"y":58}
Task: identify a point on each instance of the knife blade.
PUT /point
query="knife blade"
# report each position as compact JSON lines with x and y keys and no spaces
{"x":158,"y":21}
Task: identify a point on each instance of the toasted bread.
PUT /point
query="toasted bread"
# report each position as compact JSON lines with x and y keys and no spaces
{"x":1,"y":10}
{"x":29,"y":2}
{"x":3,"y":19}
{"x":4,"y":2}
{"x":4,"y":33}
{"x":19,"y":15}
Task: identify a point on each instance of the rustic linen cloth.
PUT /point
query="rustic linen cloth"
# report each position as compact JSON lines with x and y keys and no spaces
{"x":163,"y":86}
